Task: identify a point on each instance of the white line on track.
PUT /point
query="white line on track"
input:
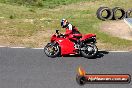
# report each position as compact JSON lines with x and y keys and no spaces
{"x":16,"y":47}
{"x":2,"y":46}
{"x":114,"y":51}
{"x":37,"y":48}
{"x":43,"y":48}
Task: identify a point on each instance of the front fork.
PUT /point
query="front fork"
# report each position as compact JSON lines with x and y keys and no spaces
{"x":52,"y":43}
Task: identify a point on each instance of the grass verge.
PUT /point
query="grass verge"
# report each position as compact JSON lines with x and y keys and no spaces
{"x":32,"y":26}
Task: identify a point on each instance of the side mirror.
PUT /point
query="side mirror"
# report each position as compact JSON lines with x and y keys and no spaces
{"x":57,"y":31}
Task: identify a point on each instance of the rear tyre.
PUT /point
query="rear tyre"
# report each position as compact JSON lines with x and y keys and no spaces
{"x":52,"y":50}
{"x":122,"y":12}
{"x":89,"y":50}
{"x":108,"y":14}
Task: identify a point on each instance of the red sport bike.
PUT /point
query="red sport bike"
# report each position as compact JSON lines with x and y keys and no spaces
{"x":60,"y":45}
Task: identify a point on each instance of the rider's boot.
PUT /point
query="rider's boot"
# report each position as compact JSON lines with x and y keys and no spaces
{"x":77,"y":44}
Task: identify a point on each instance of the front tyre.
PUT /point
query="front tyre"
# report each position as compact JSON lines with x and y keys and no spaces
{"x":52,"y":50}
{"x":89,"y":50}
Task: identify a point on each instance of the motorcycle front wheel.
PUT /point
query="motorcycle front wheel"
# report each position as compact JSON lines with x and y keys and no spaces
{"x":89,"y":50}
{"x":52,"y":50}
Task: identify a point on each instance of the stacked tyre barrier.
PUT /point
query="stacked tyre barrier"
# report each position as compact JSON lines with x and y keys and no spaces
{"x":111,"y":14}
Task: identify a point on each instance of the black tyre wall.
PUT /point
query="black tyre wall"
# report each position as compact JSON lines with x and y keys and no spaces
{"x":123,"y":13}
{"x":129,"y":13}
{"x":101,"y":10}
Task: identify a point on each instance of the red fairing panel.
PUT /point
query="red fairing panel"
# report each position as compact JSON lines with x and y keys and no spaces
{"x":67,"y":47}
{"x":87,"y":36}
{"x":53,"y":38}
{"x":68,"y":31}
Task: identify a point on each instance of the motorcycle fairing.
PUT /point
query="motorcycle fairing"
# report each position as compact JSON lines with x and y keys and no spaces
{"x":53,"y":38}
{"x":87,"y":36}
{"x":67,"y":47}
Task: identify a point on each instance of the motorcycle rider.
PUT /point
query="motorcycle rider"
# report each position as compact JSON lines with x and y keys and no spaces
{"x":71,"y":31}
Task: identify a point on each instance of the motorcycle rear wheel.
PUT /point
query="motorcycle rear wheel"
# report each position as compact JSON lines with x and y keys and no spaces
{"x":90,"y":51}
{"x":52,"y":50}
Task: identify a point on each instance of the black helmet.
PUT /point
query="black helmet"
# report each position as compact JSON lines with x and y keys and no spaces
{"x":64,"y":23}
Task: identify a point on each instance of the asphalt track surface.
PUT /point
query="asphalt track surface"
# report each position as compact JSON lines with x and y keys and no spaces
{"x":31,"y":68}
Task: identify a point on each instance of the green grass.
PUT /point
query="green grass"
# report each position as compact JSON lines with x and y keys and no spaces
{"x":42,"y":3}
{"x":23,"y":22}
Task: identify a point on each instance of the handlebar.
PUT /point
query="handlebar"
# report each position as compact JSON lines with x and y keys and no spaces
{"x":59,"y":34}
{"x":57,"y":31}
